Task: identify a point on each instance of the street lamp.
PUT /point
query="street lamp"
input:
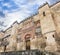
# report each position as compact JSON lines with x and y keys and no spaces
{"x":4,"y":43}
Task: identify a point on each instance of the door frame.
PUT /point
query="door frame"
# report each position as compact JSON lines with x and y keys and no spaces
{"x":27,"y":41}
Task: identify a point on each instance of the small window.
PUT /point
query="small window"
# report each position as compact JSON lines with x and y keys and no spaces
{"x":44,"y":14}
{"x":38,"y":31}
{"x":53,"y":35}
{"x":45,"y":37}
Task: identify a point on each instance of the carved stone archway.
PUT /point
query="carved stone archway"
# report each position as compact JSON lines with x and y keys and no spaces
{"x":27,"y":41}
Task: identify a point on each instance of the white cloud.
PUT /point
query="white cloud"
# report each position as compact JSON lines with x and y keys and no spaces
{"x":25,"y":9}
{"x":7,"y":4}
{"x":11,"y":17}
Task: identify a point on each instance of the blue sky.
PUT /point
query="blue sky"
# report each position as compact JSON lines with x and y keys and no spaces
{"x":12,"y":10}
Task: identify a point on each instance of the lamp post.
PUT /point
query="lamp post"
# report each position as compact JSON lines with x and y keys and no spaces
{"x":5,"y":43}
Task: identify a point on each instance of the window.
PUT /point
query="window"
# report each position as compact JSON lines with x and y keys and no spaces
{"x":38,"y":30}
{"x":45,"y":37}
{"x":53,"y":35}
{"x":44,"y":14}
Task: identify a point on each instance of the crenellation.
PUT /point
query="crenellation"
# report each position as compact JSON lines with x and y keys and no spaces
{"x":40,"y":31}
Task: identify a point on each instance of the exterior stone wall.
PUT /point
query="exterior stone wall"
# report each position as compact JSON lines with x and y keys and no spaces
{"x":1,"y":47}
{"x":48,"y":22}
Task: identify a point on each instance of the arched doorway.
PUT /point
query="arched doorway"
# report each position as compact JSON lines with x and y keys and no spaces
{"x":27,"y":40}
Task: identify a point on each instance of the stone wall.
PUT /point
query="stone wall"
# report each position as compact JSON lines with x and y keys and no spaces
{"x":48,"y":28}
{"x":49,"y":19}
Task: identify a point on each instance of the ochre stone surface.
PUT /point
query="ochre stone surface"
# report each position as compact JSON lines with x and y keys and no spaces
{"x":42,"y":29}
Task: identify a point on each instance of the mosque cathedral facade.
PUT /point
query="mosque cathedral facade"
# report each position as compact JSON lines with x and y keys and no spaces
{"x":40,"y":31}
